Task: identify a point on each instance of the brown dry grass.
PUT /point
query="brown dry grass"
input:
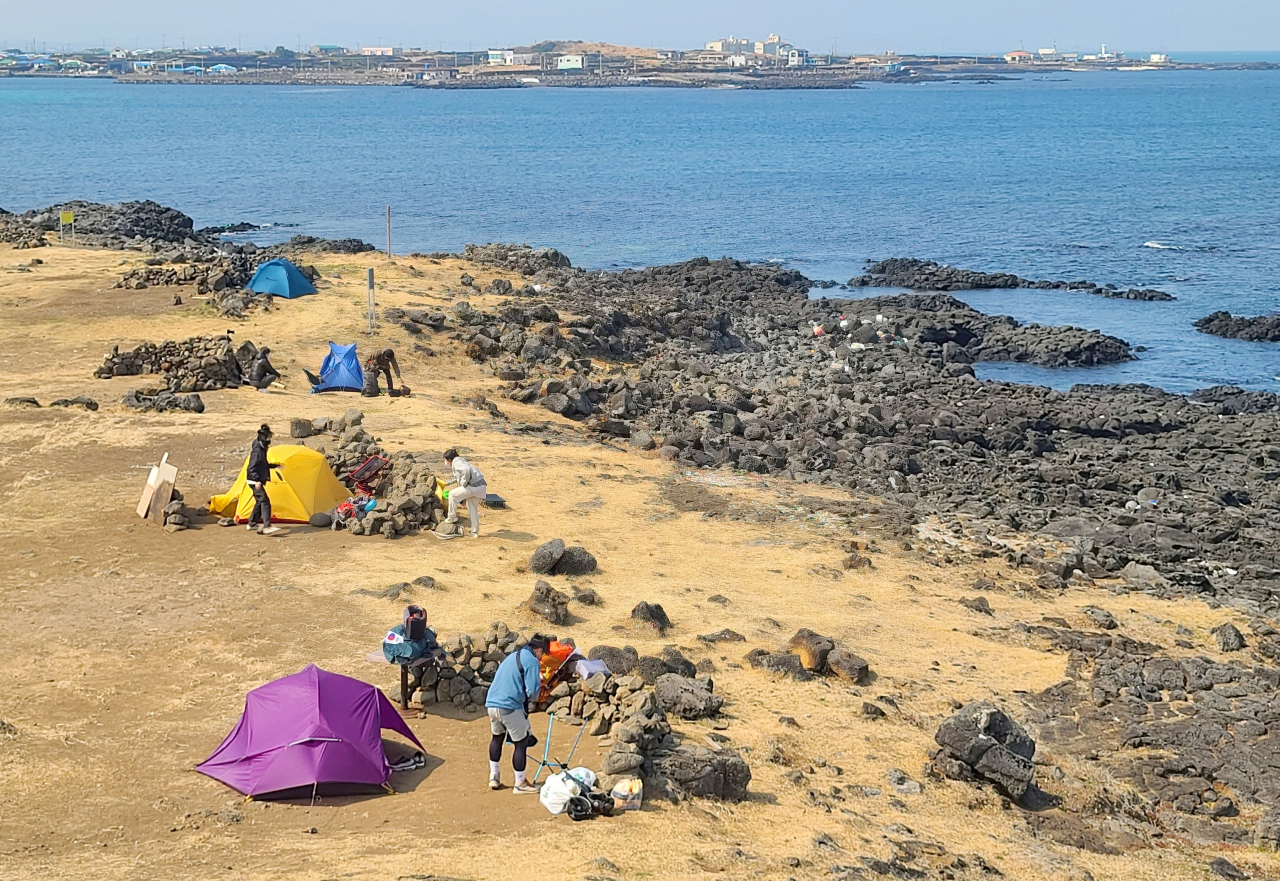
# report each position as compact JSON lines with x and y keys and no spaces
{"x":125,"y":652}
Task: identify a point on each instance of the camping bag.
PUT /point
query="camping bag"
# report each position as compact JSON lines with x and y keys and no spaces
{"x":557,"y":791}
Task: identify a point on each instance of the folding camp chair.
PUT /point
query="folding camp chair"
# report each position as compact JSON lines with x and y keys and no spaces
{"x":556,"y":764}
{"x":363,"y":476}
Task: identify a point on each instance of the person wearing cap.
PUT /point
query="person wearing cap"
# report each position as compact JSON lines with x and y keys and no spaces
{"x":516,"y":685}
{"x":470,"y":487}
{"x":258,"y":475}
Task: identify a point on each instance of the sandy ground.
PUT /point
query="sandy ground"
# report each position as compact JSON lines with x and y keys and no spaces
{"x":125,"y":652}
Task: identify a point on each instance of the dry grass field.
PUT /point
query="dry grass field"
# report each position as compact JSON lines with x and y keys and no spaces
{"x":125,"y":651}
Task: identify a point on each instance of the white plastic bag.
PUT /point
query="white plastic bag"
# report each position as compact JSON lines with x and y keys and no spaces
{"x":557,"y":791}
{"x":585,"y":776}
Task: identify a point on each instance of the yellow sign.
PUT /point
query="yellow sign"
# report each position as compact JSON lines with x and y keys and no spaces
{"x":68,"y":217}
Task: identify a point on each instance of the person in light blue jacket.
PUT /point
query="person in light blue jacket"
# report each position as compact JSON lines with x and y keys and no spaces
{"x":516,"y":686}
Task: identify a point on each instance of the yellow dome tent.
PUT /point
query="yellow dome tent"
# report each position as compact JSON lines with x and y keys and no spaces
{"x":302,"y":486}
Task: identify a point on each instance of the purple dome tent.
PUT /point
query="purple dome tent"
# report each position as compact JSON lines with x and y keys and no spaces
{"x":313,"y":727}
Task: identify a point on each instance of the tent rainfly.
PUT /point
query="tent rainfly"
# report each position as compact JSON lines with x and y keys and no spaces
{"x":302,"y":486}
{"x":340,"y":370}
{"x":305,"y":730}
{"x":280,"y":278}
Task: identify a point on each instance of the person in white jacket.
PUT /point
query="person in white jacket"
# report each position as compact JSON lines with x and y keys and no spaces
{"x":470,"y":487}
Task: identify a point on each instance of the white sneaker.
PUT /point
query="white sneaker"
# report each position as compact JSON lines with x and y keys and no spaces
{"x":474,"y":535}
{"x":495,"y":783}
{"x":251,"y":527}
{"x":270,"y":530}
{"x":524,"y":788}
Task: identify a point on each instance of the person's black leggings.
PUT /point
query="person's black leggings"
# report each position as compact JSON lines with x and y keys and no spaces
{"x":262,"y":506}
{"x":386,"y":371}
{"x":519,"y":759}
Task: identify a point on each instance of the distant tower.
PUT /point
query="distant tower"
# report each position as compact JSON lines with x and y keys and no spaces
{"x":1104,"y":48}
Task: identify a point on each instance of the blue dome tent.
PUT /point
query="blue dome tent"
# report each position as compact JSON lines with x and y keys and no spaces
{"x":340,"y":370}
{"x":280,"y":278}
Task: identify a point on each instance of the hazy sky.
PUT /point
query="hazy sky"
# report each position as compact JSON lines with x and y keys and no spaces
{"x":955,"y":26}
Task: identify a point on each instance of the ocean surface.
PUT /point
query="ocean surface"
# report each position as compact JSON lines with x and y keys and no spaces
{"x":1141,"y":179}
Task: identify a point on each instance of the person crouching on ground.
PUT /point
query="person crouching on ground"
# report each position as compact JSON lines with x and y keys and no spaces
{"x":261,"y":373}
{"x":258,"y":475}
{"x":470,"y":487}
{"x":516,"y":685}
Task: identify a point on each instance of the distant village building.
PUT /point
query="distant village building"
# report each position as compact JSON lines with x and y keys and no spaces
{"x":1048,"y":54}
{"x":731,"y":46}
{"x":1158,"y":58}
{"x":570,"y":62}
{"x":439,"y":74}
{"x":797,"y":58}
{"x":738,"y":60}
{"x":1018,"y":56}
{"x":501,"y":57}
{"x":525,"y":59}
{"x":773,"y":47}
{"x":386,"y":51}
{"x":326,"y":49}
{"x":117,"y":52}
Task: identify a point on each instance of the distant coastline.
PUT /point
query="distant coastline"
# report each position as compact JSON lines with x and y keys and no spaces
{"x":818,"y":77}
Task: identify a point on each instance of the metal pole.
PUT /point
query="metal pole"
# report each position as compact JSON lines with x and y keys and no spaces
{"x":371,"y":300}
{"x":388,"y":232}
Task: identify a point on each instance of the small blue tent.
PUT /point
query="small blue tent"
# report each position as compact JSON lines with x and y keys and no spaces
{"x":340,"y":370}
{"x":282,"y":279}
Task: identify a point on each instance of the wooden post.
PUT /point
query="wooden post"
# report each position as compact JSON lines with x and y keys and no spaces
{"x":388,"y":232}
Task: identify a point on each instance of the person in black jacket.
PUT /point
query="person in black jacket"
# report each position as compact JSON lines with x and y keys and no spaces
{"x":258,"y":475}
{"x":261,"y":373}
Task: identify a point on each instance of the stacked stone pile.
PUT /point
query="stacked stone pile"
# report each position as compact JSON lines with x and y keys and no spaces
{"x":195,"y":364}
{"x":404,"y":489}
{"x":624,"y":707}
{"x":928,"y":275}
{"x":177,"y":516}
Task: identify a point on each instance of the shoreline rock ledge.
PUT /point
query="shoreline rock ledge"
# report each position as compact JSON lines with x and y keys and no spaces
{"x":929,"y":275}
{"x":1259,"y":329}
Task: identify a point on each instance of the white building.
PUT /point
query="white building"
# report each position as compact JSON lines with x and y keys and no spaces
{"x":386,"y":51}
{"x":1158,"y":58}
{"x":570,"y":62}
{"x":501,"y":57}
{"x":797,"y":58}
{"x":738,"y":60}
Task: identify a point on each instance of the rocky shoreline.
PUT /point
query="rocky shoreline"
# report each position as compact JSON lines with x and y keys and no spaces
{"x":929,"y":275}
{"x":1262,"y":328}
{"x":729,"y":364}
{"x":733,"y":365}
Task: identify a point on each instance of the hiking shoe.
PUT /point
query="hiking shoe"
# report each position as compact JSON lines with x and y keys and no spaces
{"x":269,"y":530}
{"x":524,"y":789}
{"x":251,"y":527}
{"x":474,"y":535}
{"x":495,"y":784}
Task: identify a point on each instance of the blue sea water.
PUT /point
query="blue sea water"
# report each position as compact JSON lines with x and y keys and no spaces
{"x":1143,"y":179}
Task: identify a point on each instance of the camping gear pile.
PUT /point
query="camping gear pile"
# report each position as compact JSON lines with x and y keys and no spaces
{"x":392,"y":494}
{"x":195,"y":364}
{"x":162,"y":400}
{"x":306,"y":730}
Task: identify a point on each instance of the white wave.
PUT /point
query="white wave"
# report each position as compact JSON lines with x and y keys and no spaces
{"x":1161,"y":246}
